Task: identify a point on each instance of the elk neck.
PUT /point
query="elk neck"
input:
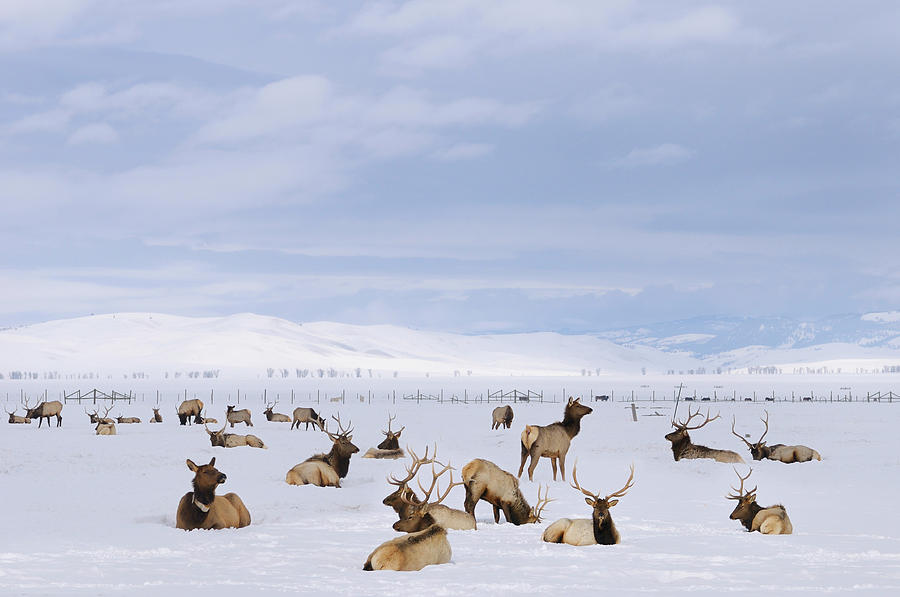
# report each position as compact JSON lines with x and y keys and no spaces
{"x":605,"y":532}
{"x":679,"y":446}
{"x":572,"y":424}
{"x":752,"y":510}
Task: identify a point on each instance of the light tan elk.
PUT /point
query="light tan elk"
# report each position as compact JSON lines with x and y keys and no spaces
{"x":390,"y":446}
{"x":274,"y":417}
{"x":683,"y":448}
{"x":156,"y":418}
{"x":552,"y":441}
{"x":309,"y":416}
{"x":14,"y":418}
{"x":486,"y":481}
{"x":203,"y":509}
{"x":422,"y":513}
{"x":412,"y":552}
{"x":326,"y":470}
{"x":123,"y":420}
{"x":45,"y":410}
{"x":188,"y":409}
{"x":502,"y":416}
{"x":207,"y":420}
{"x":105,"y":427}
{"x":768,"y":521}
{"x":238,"y":416}
{"x":600,"y":529}
{"x":233,"y":440}
{"x":779,"y":452}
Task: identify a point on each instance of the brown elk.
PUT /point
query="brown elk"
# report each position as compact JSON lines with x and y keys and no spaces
{"x":123,"y":420}
{"x":232,"y":440}
{"x":326,"y":470}
{"x":600,"y":529}
{"x":779,"y":452}
{"x":502,"y":416}
{"x":188,"y":409}
{"x":97,"y":418}
{"x":156,"y":418}
{"x":423,"y":513}
{"x":412,"y":552}
{"x":105,"y":427}
{"x":203,"y":509}
{"x":44,"y":410}
{"x":486,"y":481}
{"x":768,"y":521}
{"x":395,"y":499}
{"x":683,"y":448}
{"x":238,"y":416}
{"x":309,"y":416}
{"x":390,"y":446}
{"x":274,"y":417}
{"x":552,"y":441}
{"x":207,"y":420}
{"x":14,"y":418}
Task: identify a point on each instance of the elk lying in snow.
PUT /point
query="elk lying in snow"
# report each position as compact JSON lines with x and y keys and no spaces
{"x":122,"y":420}
{"x":274,"y":417}
{"x":97,"y":418}
{"x":14,"y":418}
{"x":105,"y":427}
{"x":326,"y":470}
{"x":395,"y":499}
{"x":156,"y":418}
{"x":419,"y":514}
{"x":188,"y":409}
{"x":203,"y":509}
{"x":552,"y":441}
{"x":390,"y":446}
{"x":308,"y":416}
{"x":412,"y":552}
{"x":779,"y":452}
{"x":232,"y":440}
{"x":45,"y":410}
{"x":238,"y":416}
{"x":502,"y":415}
{"x":600,"y":529}
{"x":206,"y":420}
{"x":486,"y":481}
{"x":683,"y":448}
{"x":768,"y":521}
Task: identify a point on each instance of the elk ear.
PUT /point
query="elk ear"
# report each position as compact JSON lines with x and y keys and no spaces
{"x":589,"y":501}
{"x":212,"y":461}
{"x":570,"y":400}
{"x":349,"y":438}
{"x":191,"y":465}
{"x":398,"y":433}
{"x":611,"y":503}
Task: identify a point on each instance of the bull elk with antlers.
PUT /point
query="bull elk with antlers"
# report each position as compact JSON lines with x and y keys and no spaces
{"x":274,"y":417}
{"x":390,"y":445}
{"x":307,"y":415}
{"x":422,"y":513}
{"x":203,"y":509}
{"x":502,"y":416}
{"x":768,"y":521}
{"x":486,"y":481}
{"x":188,"y":409}
{"x":232,"y":440}
{"x":44,"y":410}
{"x":683,"y":448}
{"x":779,"y":452}
{"x":98,"y":418}
{"x":552,"y":441}
{"x":600,"y":529}
{"x":15,"y":419}
{"x":326,"y":470}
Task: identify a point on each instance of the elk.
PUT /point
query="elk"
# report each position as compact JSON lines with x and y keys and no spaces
{"x":779,"y":452}
{"x":486,"y":481}
{"x":393,"y":499}
{"x":188,"y":409}
{"x":423,"y":513}
{"x":768,"y":521}
{"x":412,"y":552}
{"x":552,"y":441}
{"x":307,"y":415}
{"x":44,"y":410}
{"x":326,"y":470}
{"x":105,"y":427}
{"x":502,"y":416}
{"x":122,"y":420}
{"x":232,"y":440}
{"x":13,"y":418}
{"x":600,"y":529}
{"x":274,"y":417}
{"x":238,"y":416}
{"x":390,"y":446}
{"x":683,"y":448}
{"x":156,"y":418}
{"x":207,"y":420}
{"x":203,"y":509}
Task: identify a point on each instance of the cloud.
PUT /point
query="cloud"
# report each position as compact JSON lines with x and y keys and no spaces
{"x":464,"y":151}
{"x":100,"y":133}
{"x":665,"y":154}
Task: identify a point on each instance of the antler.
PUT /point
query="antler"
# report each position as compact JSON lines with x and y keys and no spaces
{"x":538,"y":508}
{"x":766,"y":422}
{"x":8,"y":412}
{"x":685,"y":425}
{"x":739,"y":493}
{"x":389,"y":432}
{"x":106,"y":410}
{"x":341,"y":431}
{"x":413,"y":469}
{"x":577,"y":486}
{"x":738,"y":435}
{"x":628,"y":485}
{"x":616,"y":494}
{"x":435,"y":476}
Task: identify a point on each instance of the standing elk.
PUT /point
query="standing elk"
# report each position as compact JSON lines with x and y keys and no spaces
{"x":274,"y":417}
{"x":238,"y":416}
{"x":502,"y":416}
{"x":232,"y":440}
{"x":768,"y":521}
{"x":156,"y":418}
{"x":203,"y":509}
{"x":309,"y":416}
{"x":422,"y":513}
{"x":552,"y":441}
{"x":188,"y":409}
{"x":44,"y":410}
{"x":326,"y":470}
{"x":412,"y":552}
{"x":683,"y":448}
{"x":122,"y":420}
{"x":486,"y":481}
{"x":390,"y":445}
{"x":600,"y":529}
{"x":14,"y":418}
{"x":779,"y":452}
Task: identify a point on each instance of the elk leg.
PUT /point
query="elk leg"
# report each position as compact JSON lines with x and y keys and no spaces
{"x":562,"y":465}
{"x":553,"y":464}
{"x":524,"y":458}
{"x":496,"y":515}
{"x":505,"y":513}
{"x":471,"y":500}
{"x":535,"y":457}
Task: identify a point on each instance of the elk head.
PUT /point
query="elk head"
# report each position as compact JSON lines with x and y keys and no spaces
{"x":746,"y":500}
{"x":575,"y":409}
{"x":535,"y":515}
{"x":395,"y":499}
{"x":30,"y":411}
{"x":343,"y":443}
{"x":759,"y":450}
{"x":682,"y":427}
{"x":92,"y":415}
{"x":600,"y":505}
{"x":216,"y":438}
{"x":418,"y":517}
{"x":391,"y":438}
{"x":268,"y":410}
{"x":206,"y":479}
{"x":12,"y":415}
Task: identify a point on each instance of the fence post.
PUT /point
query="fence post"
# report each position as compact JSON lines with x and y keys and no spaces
{"x":633,"y":412}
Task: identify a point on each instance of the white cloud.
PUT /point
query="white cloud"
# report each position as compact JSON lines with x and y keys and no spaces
{"x":464,"y":151}
{"x":665,"y":154}
{"x":100,"y":133}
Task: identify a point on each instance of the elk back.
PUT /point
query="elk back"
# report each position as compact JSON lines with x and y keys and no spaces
{"x":412,"y":552}
{"x":577,"y":531}
{"x":313,"y":472}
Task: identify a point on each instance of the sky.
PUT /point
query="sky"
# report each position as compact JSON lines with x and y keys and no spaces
{"x":471,"y":166}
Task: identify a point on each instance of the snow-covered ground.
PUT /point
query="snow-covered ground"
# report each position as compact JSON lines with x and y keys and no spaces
{"x":96,"y":515}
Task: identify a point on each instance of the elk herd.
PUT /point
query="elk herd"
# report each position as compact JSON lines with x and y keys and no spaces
{"x":424,"y":517}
